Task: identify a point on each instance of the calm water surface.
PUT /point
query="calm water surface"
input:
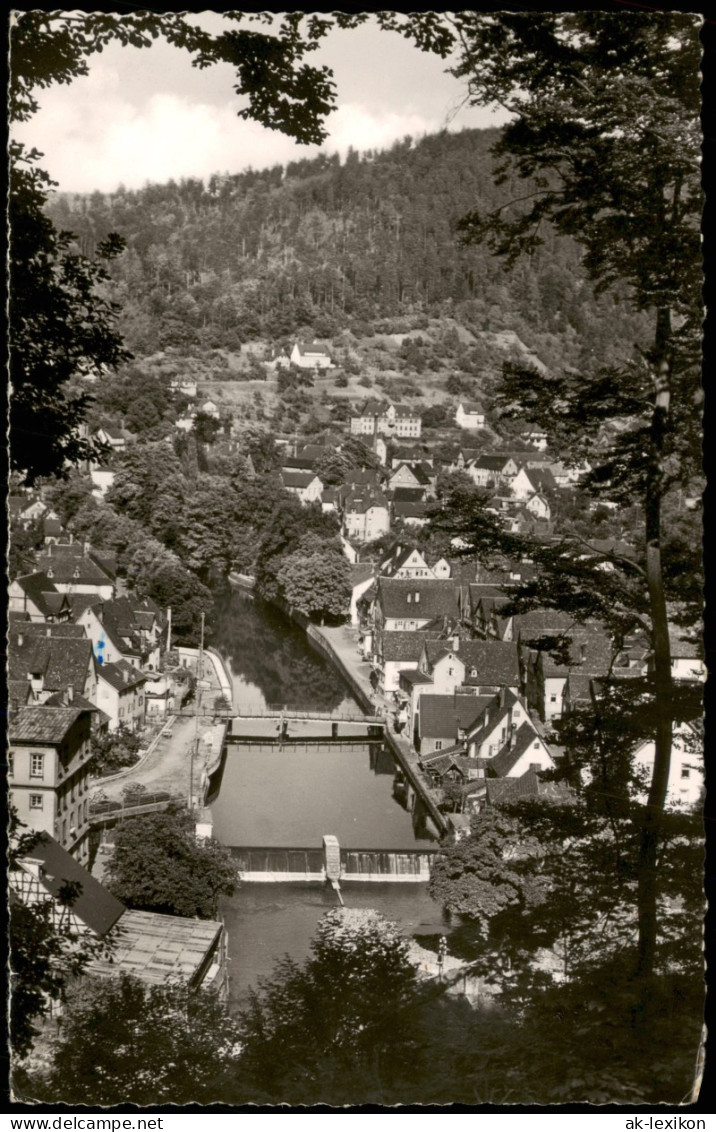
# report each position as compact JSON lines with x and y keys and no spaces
{"x":293,"y":797}
{"x":267,"y":921}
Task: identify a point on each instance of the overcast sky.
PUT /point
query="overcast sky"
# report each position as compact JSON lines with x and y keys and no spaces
{"x":147,"y":115}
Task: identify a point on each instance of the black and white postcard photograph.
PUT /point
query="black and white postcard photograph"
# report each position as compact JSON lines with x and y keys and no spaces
{"x":355,"y":655}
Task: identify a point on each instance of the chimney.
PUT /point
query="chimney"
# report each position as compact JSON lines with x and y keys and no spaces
{"x":48,"y":632}
{"x":70,"y":693}
{"x":456,"y":643}
{"x":86,"y":547}
{"x":125,"y":675}
{"x":20,"y":639}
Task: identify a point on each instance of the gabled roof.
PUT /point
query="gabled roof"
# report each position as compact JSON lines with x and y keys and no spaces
{"x":437,"y":597}
{"x":397,"y":557}
{"x":36,"y":587}
{"x":408,"y":495}
{"x":95,"y":906}
{"x":361,"y":572}
{"x":401,"y":646}
{"x":312,"y":349}
{"x":360,"y":477}
{"x":441,"y":717}
{"x":61,"y":661}
{"x":358,"y":502}
{"x":490,"y":462}
{"x":495,"y":662}
{"x":114,"y":674}
{"x":509,"y":756}
{"x":60,"y":699}
{"x":295,"y":478}
{"x":414,"y":675}
{"x":67,"y":568}
{"x":36,"y":723}
{"x":471,"y":407}
{"x":417,"y":510}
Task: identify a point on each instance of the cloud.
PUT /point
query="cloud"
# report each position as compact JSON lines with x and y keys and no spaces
{"x":96,"y":134}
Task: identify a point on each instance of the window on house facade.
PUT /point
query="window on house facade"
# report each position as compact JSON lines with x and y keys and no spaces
{"x":553,"y":698}
{"x":37,"y":766}
{"x":438,"y":745}
{"x":36,"y":801}
{"x":685,"y":772}
{"x":10,"y":764}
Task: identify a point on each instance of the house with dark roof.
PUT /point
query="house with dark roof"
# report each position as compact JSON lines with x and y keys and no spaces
{"x":382,"y":418}
{"x":531,"y":784}
{"x":73,"y":573}
{"x":121,"y":694}
{"x":158,"y":950}
{"x":127,"y":628}
{"x":48,"y":772}
{"x":443,"y":720}
{"x":310,"y":355}
{"x":469,"y":415}
{"x":409,"y":604}
{"x":37,"y":597}
{"x":306,"y":485}
{"x":500,"y":717}
{"x":411,"y":514}
{"x":584,"y":649}
{"x":486,"y":666}
{"x":524,"y":750}
{"x":405,"y":561}
{"x":409,"y":454}
{"x":394,"y":652}
{"x":491,"y":470}
{"x":365,"y":515}
{"x":49,"y":663}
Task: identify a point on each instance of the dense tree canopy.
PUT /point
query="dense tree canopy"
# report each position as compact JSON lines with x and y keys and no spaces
{"x":125,"y":1042}
{"x":159,"y":865}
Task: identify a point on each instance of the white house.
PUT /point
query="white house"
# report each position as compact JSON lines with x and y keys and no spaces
{"x":310,"y":355}
{"x":538,"y":506}
{"x":306,"y":485}
{"x":383,"y":418}
{"x":469,"y":415}
{"x":686,"y":770}
{"x":366,"y":516}
{"x":120,"y":694}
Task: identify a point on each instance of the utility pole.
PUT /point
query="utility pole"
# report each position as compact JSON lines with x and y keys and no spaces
{"x":194,"y":750}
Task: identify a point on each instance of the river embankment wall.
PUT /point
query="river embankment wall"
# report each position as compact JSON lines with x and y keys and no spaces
{"x":215,"y":658}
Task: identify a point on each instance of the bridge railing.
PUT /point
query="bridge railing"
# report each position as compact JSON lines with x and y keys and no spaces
{"x":274,"y":710}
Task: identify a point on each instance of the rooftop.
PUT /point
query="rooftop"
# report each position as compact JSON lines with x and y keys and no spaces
{"x":157,"y":948}
{"x":36,"y":723}
{"x":95,"y":905}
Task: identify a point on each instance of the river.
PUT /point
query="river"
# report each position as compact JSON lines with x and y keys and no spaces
{"x":282,"y":800}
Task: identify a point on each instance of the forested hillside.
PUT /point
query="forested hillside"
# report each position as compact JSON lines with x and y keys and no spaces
{"x":321,"y":246}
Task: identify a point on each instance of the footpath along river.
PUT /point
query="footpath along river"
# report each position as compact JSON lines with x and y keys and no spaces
{"x":260,"y":799}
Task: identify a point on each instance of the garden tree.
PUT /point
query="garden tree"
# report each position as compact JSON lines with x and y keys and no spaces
{"x":100,"y":525}
{"x":149,"y":486}
{"x":123,"y":1042}
{"x":315,"y":580}
{"x":114,"y":750}
{"x":158,"y":864}
{"x":156,"y":572}
{"x":46,"y":953}
{"x":316,"y":1033}
{"x":206,"y":537}
{"x":67,"y":496}
{"x":289,"y":523}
